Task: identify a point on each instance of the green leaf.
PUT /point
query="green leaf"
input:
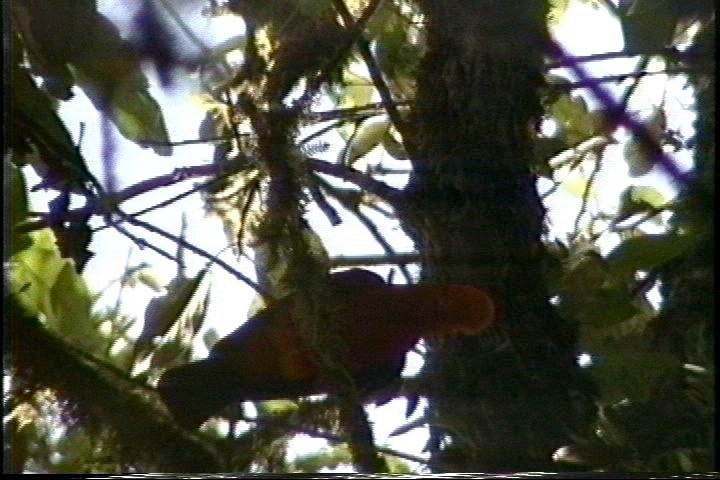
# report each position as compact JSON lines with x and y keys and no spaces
{"x":54,"y":289}
{"x":577,"y":186}
{"x":311,"y":8}
{"x":18,"y":206}
{"x":139,"y":117}
{"x":637,"y":199}
{"x":325,"y":458}
{"x":639,"y":157}
{"x":649,"y":25}
{"x":101,"y":61}
{"x":34,"y":271}
{"x":34,"y":115}
{"x":586,"y":272}
{"x":171,"y":353}
{"x":147,"y":278}
{"x":558,"y":8}
{"x":71,"y":303}
{"x":397,"y":57}
{"x":601,"y":307}
{"x":358,"y":91}
{"x":368,"y":136}
{"x":162,"y":312}
{"x":630,"y":368}
{"x":109,"y":73}
{"x":276,"y":407}
{"x":646,"y":252}
{"x":573,"y":117}
{"x":392,"y":146}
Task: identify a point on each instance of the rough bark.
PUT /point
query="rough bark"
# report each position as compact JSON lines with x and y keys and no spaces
{"x":99,"y":398}
{"x":479,"y":221}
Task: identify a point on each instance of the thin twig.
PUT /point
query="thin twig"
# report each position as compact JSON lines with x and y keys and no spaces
{"x":639,"y":68}
{"x":586,"y":196}
{"x":142,"y":243}
{"x":594,"y":81}
{"x":332,"y":438}
{"x":347,"y":113}
{"x":369,"y":225}
{"x":604,"y":96}
{"x":575,"y":156}
{"x":323,"y":203}
{"x":192,"y":141}
{"x":185,"y":29}
{"x":653,"y":212}
{"x":320,"y":132}
{"x":144,"y":186}
{"x":614,"y":11}
{"x":199,"y":251}
{"x":387,"y":193}
{"x":170,"y":200}
{"x":596,"y":57}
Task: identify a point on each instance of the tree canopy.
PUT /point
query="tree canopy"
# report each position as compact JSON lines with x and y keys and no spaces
{"x":466,"y":142}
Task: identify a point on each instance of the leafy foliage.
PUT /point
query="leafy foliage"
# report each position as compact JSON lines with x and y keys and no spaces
{"x":655,"y":398}
{"x":98,"y":59}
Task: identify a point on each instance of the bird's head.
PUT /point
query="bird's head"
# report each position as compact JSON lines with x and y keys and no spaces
{"x":468,"y":310}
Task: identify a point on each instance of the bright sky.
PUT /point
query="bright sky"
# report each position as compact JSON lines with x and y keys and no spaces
{"x":584,"y":31}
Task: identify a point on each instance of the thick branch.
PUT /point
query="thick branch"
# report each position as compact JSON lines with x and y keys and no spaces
{"x":394,"y":259}
{"x":144,"y":431}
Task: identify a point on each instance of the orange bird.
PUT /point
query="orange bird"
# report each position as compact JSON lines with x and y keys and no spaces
{"x":266,"y":358}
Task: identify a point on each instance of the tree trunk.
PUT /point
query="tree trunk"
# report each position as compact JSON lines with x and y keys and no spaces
{"x":479,"y":221}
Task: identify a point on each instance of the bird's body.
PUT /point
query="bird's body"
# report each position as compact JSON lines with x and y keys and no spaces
{"x":375,"y":325}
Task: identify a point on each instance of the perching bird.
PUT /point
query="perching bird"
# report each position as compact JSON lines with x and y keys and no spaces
{"x":266,"y":358}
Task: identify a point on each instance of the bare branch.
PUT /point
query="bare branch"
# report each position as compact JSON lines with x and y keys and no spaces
{"x":596,"y":57}
{"x":348,"y":113}
{"x":387,"y":193}
{"x":144,"y":186}
{"x":323,"y":204}
{"x":332,"y":438}
{"x":142,"y":243}
{"x":586,"y":196}
{"x":199,"y":251}
{"x":192,"y":141}
{"x":370,"y":226}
